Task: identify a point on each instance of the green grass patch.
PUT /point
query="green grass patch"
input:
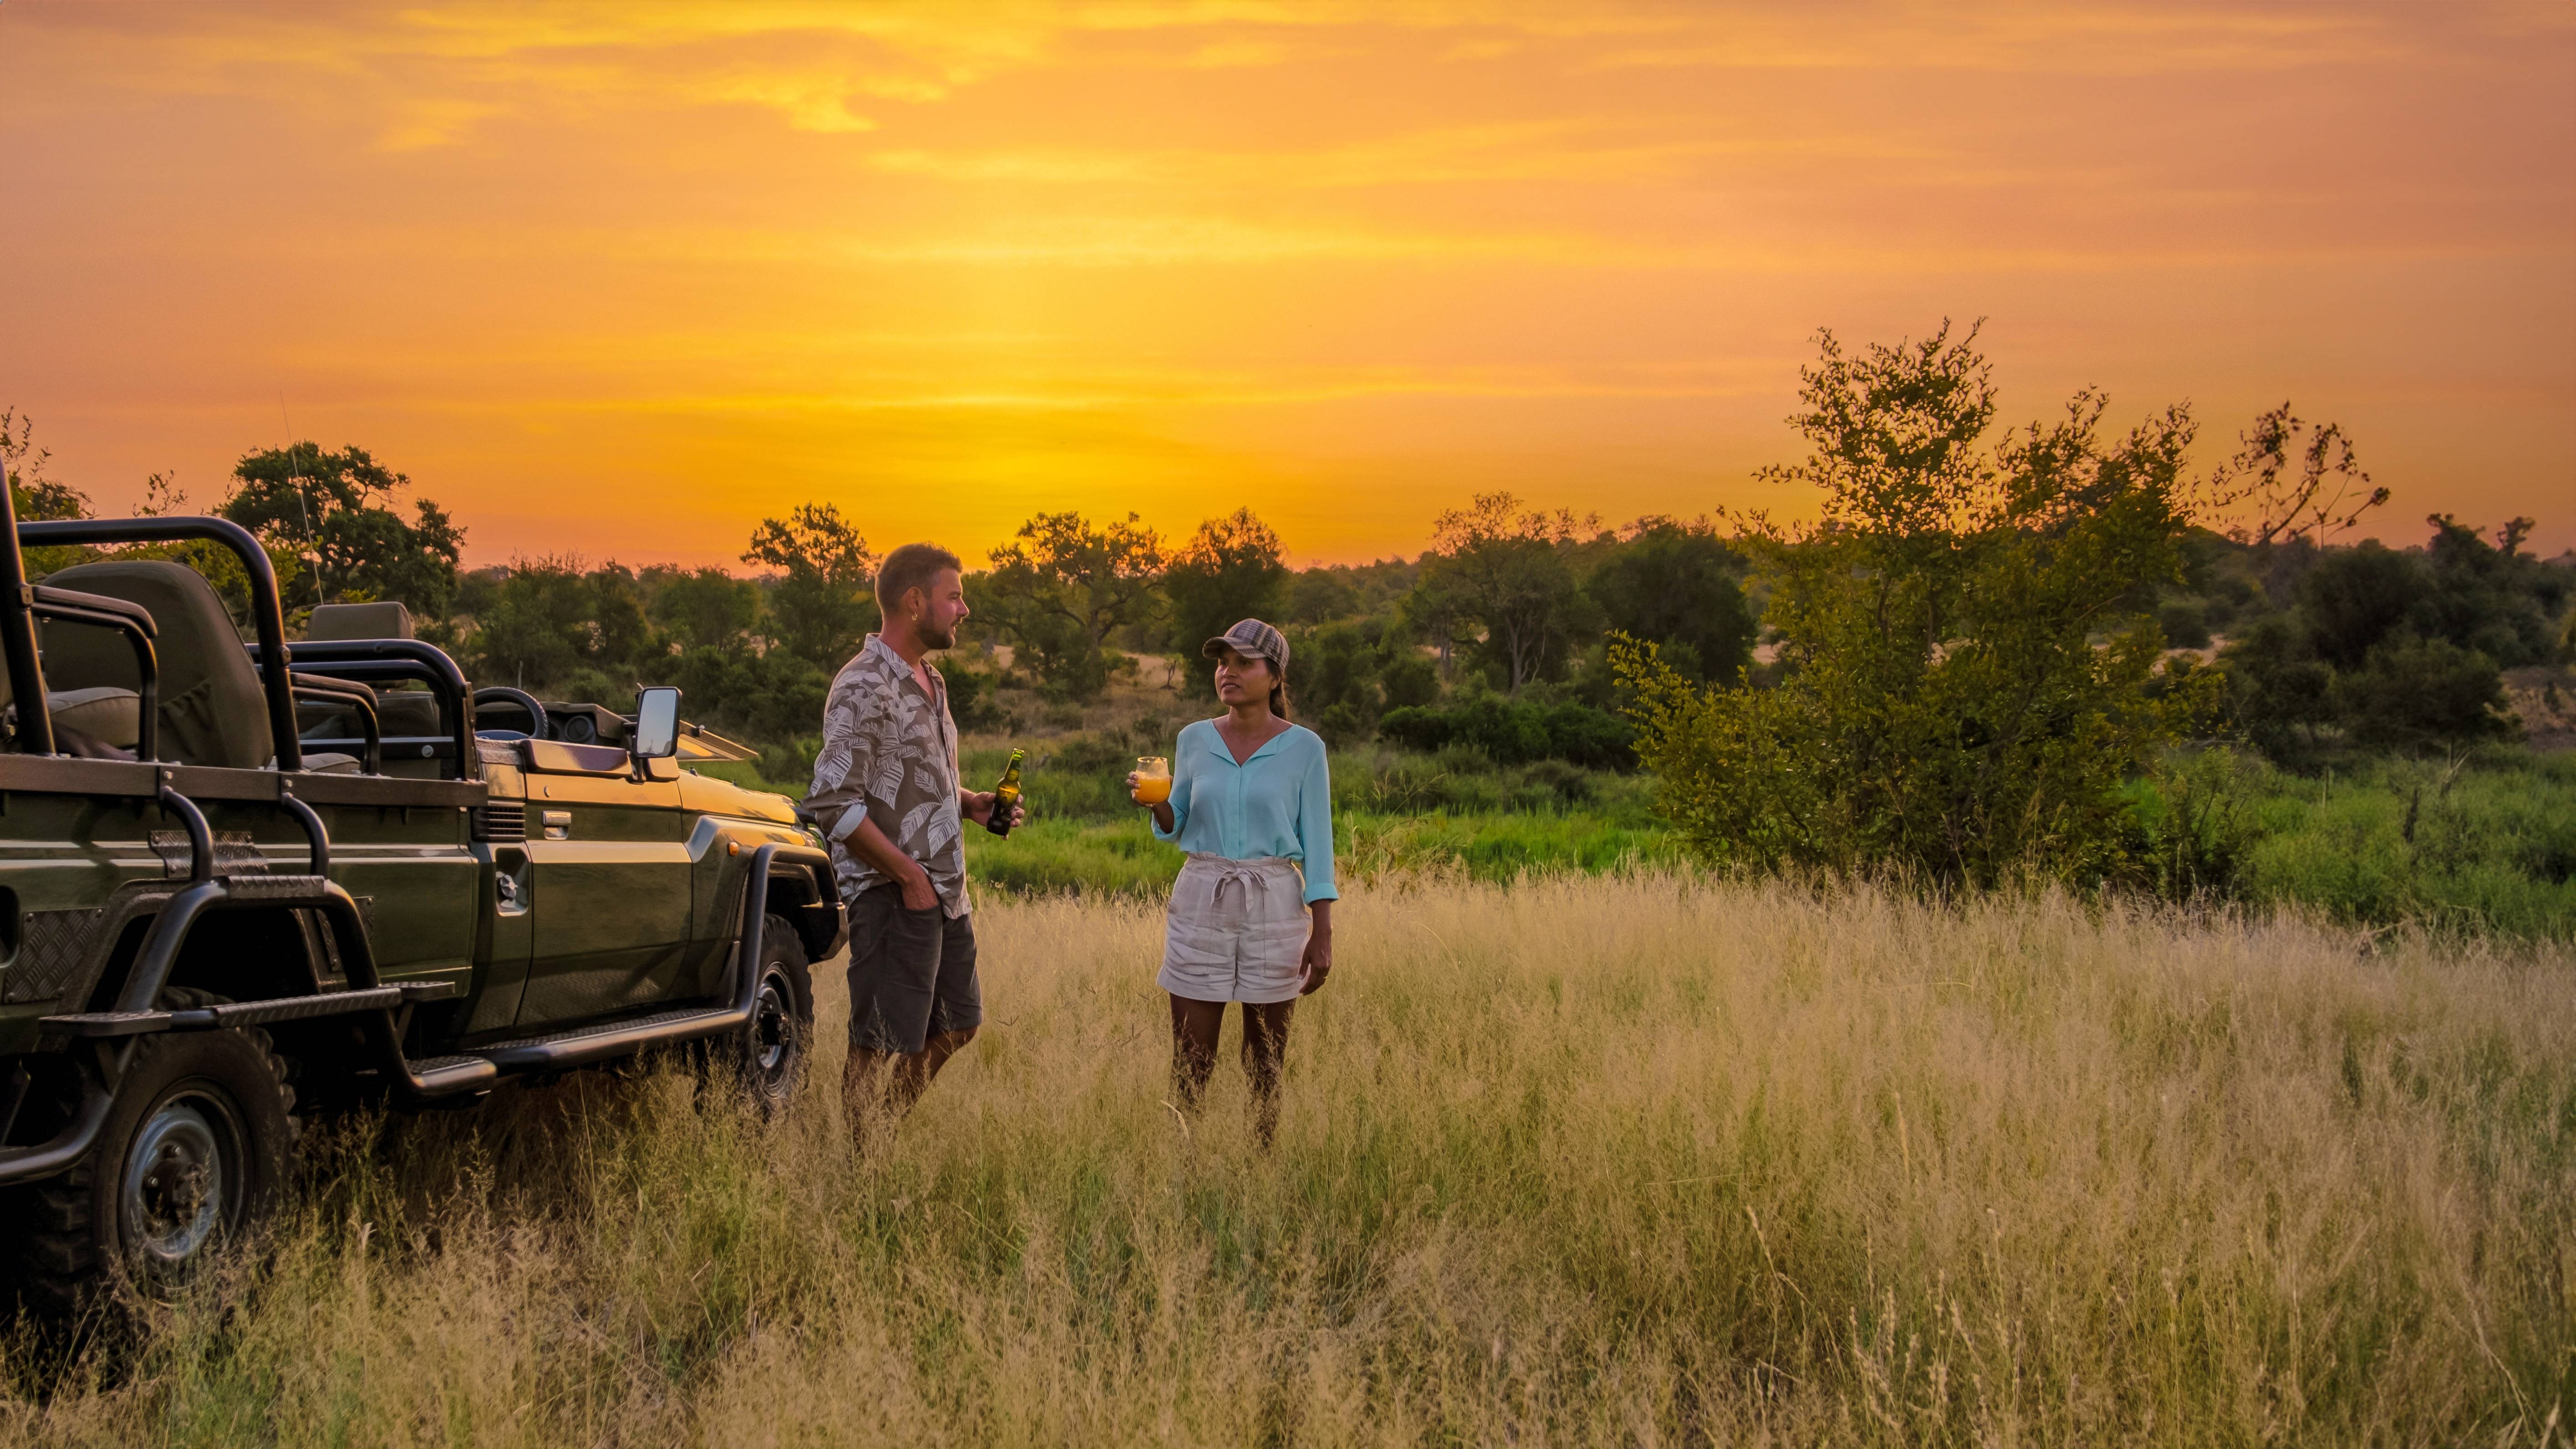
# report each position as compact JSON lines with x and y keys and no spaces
{"x":1121,"y":857}
{"x":2483,"y":843}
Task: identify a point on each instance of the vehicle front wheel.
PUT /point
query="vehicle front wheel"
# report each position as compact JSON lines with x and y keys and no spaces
{"x":767,"y":1057}
{"x":195,"y":1154}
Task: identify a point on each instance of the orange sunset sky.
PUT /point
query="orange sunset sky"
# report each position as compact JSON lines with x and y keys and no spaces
{"x":621,"y":279}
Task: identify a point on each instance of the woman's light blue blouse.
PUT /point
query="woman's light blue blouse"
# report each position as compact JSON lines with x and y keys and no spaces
{"x":1278,"y":803}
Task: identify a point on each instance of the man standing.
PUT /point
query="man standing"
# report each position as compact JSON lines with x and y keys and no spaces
{"x":885,"y":786}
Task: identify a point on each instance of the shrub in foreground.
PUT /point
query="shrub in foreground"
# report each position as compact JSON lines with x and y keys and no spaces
{"x":1968,"y":673}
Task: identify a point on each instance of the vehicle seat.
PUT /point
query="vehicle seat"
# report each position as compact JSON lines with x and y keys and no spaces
{"x":387,"y":620}
{"x":213,"y":711}
{"x":107,"y":714}
{"x":114,"y":715}
{"x":398,"y":711}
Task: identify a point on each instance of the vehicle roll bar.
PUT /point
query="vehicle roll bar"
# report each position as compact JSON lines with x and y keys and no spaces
{"x":351,"y":697}
{"x":368,"y":660}
{"x":63,"y":606}
{"x":267,"y":614}
{"x":18,"y":635}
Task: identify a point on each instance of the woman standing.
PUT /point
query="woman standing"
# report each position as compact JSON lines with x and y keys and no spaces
{"x":1252,"y":913}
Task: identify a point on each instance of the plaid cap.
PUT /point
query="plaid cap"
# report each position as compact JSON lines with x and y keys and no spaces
{"x":1253,"y":640}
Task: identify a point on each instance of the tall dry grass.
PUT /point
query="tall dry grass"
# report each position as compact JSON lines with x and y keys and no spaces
{"x":1641,"y":1159}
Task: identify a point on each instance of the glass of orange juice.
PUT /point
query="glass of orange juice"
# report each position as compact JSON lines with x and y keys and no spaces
{"x":1153,"y":779}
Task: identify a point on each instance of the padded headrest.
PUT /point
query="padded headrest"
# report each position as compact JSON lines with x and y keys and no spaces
{"x":213,"y":711}
{"x":387,"y":620}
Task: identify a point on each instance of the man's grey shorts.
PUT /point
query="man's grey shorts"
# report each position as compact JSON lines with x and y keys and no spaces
{"x":912,"y":973}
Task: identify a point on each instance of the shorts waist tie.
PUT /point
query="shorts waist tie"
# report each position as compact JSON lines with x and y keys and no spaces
{"x":1246,"y":876}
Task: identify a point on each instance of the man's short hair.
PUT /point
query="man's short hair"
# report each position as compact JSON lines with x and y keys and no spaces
{"x":912,"y":566}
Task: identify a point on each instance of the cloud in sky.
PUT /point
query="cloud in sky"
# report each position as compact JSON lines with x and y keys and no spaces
{"x":642,"y":274}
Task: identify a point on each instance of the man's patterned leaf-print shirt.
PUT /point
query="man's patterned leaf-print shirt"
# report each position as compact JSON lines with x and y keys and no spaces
{"x":890,"y":753}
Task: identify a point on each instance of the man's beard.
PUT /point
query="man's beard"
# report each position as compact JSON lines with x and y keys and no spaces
{"x":938,"y":638}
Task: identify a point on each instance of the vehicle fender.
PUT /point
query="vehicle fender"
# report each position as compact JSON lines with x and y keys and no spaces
{"x":804,"y":895}
{"x":800,"y":891}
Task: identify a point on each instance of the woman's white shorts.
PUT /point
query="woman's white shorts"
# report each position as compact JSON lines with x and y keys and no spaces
{"x":1237,"y":930}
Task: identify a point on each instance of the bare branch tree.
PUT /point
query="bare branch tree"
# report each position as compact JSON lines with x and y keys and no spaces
{"x":2292,"y":477}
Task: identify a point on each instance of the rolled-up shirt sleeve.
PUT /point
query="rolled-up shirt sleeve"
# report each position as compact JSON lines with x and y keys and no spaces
{"x":1315,"y":828}
{"x":1182,"y":776}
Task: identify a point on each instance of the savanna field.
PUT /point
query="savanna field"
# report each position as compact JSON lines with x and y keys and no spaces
{"x":1639,"y":1157}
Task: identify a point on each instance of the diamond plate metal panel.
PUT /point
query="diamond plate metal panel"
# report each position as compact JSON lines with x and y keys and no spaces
{"x":234,"y":853}
{"x":52,"y":948}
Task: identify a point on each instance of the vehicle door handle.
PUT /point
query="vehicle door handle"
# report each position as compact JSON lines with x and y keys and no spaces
{"x":558,"y":824}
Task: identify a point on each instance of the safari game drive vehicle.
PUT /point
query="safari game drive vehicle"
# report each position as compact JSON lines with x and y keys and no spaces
{"x":238,"y":882}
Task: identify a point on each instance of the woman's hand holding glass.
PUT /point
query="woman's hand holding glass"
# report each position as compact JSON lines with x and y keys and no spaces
{"x":1150,"y":785}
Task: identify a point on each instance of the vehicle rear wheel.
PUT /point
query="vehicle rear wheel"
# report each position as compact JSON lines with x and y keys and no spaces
{"x":767,"y":1057}
{"x":195,"y":1155}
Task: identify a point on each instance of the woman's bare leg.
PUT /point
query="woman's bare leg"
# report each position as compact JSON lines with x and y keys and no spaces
{"x":1265,"y":1048}
{"x":1195,"y":1026}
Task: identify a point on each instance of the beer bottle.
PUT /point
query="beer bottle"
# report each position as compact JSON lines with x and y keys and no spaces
{"x":1005,"y":796}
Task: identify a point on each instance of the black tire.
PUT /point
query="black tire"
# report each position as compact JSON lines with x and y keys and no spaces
{"x":766,"y":1060}
{"x":196,"y":1154}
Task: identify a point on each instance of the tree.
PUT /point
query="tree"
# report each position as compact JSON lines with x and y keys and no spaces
{"x":2321,"y":494}
{"x":2411,"y":692}
{"x":2396,"y":650}
{"x":333,"y":511}
{"x":821,"y":605}
{"x":31,"y":492}
{"x":2491,"y":598}
{"x":1674,"y":584}
{"x":1059,"y":592}
{"x":1321,"y":594}
{"x":534,"y":628}
{"x":553,"y":623}
{"x":2279,"y":693}
{"x":704,"y":608}
{"x":621,"y":636}
{"x":1499,"y":580}
{"x":773,"y":695}
{"x":1229,"y":570}
{"x":2352,"y":598}
{"x":35,"y":495}
{"x":1970,"y":673}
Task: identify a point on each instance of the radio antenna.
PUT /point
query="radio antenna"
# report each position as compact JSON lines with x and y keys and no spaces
{"x":295,"y":480}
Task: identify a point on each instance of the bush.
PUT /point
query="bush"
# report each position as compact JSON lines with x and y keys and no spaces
{"x":971,"y":700}
{"x":2391,"y":650}
{"x":1514,"y":732}
{"x":2195,"y":828}
{"x":1968,"y":680}
{"x":1408,"y":678}
{"x":2185,"y":623}
{"x":2352,"y":598}
{"x":2412,"y":692}
{"x":740,"y":692}
{"x":789,"y":765}
{"x":1344,"y":675}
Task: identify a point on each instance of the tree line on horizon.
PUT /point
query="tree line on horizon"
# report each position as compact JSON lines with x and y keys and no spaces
{"x":1975,"y":643}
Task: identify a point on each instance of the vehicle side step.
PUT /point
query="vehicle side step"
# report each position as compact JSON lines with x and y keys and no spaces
{"x":583,"y":1044}
{"x":245,"y":1013}
{"x":446,"y":1076}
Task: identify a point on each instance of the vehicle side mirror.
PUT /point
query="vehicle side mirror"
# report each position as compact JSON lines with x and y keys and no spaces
{"x":657,"y":725}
